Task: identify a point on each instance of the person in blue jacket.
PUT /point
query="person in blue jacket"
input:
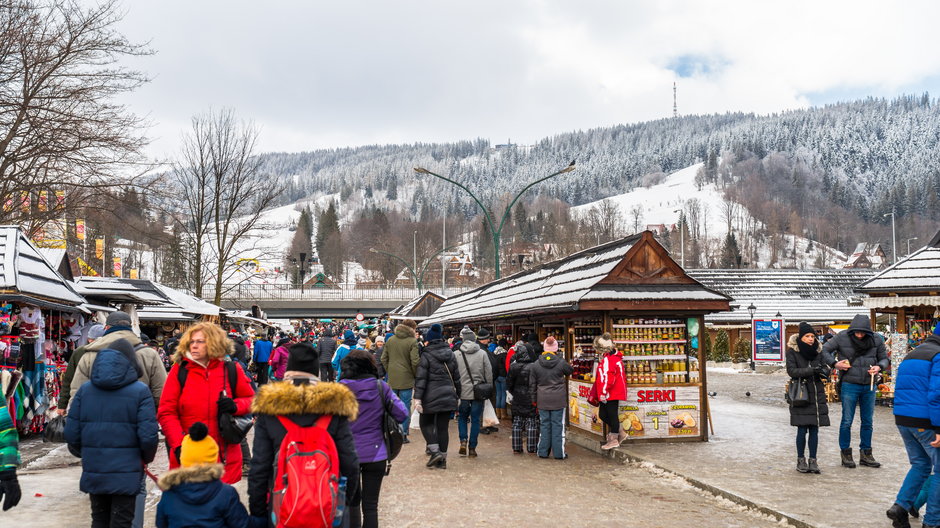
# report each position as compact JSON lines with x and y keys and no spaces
{"x":194,"y":495}
{"x":263,"y":348}
{"x":917,"y":416}
{"x":112,"y":427}
{"x":349,"y":343}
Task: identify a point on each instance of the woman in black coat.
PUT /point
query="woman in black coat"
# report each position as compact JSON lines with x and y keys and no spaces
{"x":525,"y":416}
{"x":437,"y":386}
{"x":805,"y":361}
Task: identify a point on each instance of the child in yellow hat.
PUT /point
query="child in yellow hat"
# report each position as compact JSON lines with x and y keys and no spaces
{"x":193,"y":494}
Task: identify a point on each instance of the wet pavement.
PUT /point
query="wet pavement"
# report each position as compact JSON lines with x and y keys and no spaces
{"x":498,"y":488}
{"x":753,"y":456}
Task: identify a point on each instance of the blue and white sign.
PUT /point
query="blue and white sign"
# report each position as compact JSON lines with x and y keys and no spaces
{"x":767,"y":338}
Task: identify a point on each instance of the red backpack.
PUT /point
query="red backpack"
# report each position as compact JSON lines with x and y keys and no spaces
{"x":306,"y":485}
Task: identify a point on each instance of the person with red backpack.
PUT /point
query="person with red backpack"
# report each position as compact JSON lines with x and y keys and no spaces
{"x":302,"y":433}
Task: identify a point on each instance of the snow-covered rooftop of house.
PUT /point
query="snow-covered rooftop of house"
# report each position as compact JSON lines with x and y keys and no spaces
{"x":918,"y":272}
{"x":405,"y":311}
{"x":560,"y":285}
{"x":812,"y":295}
{"x":25,"y":272}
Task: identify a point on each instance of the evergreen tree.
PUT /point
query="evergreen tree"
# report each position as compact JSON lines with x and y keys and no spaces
{"x":391,"y":192}
{"x":730,"y":253}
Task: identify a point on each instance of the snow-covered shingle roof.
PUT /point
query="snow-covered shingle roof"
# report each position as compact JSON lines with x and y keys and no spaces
{"x":25,"y":272}
{"x":918,"y":272}
{"x":157,"y":302}
{"x":812,"y":295}
{"x":405,"y":311}
{"x":562,"y":284}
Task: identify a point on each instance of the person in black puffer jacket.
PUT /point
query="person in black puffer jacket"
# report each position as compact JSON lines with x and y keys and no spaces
{"x":805,"y":361}
{"x":437,"y":385}
{"x":860,"y":355}
{"x":524,"y":415}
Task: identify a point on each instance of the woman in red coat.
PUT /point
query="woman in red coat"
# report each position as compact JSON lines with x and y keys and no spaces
{"x":611,"y":388}
{"x":202,"y":352}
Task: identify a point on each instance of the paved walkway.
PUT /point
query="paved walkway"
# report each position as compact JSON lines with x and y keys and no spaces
{"x":753,"y":456}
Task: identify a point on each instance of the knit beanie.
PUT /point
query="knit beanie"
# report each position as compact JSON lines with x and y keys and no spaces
{"x":435,"y":332}
{"x":198,"y":447}
{"x":349,"y":338}
{"x":805,"y":328}
{"x":603,"y":343}
{"x":301,"y":357}
{"x":483,"y":334}
{"x":550,"y":345}
{"x":96,"y":331}
{"x":467,"y":335}
{"x":362,"y":343}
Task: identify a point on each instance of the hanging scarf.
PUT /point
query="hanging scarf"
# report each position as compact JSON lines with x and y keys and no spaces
{"x":809,"y":352}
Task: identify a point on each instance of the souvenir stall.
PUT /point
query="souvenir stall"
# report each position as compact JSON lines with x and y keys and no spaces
{"x":41,"y":322}
{"x":908,"y":293}
{"x":632,"y":289}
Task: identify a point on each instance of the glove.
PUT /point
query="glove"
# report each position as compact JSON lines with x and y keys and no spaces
{"x":822,"y":371}
{"x":9,"y":489}
{"x":176,"y":451}
{"x":418,"y":407}
{"x":257,"y":521}
{"x":227,"y":406}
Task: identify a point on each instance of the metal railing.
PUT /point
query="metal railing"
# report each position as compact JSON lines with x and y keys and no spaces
{"x":340,"y":292}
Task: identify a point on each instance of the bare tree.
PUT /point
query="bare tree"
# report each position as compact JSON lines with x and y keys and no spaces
{"x":224,"y":195}
{"x":693,"y":214}
{"x":636,"y":213}
{"x":60,"y":127}
{"x":729,"y":210}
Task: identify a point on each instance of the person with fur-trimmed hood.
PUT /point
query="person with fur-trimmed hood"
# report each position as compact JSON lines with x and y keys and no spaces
{"x":194,"y":495}
{"x":301,"y":398}
{"x":611,"y":388}
{"x":805,"y":361}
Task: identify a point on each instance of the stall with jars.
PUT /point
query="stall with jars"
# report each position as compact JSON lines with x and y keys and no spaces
{"x":632,"y":289}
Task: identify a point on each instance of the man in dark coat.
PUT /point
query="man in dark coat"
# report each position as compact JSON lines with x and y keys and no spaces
{"x":437,"y":389}
{"x":112,"y":427}
{"x":326,"y":347}
{"x":860,"y":355}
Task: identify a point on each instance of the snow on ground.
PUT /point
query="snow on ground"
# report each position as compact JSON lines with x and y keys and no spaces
{"x":661,"y":204}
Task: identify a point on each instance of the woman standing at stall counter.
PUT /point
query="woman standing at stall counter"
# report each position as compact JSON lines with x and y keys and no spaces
{"x":805,"y":362}
{"x":611,"y":388}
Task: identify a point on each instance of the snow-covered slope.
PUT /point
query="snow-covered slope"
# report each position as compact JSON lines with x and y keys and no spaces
{"x":663,"y":202}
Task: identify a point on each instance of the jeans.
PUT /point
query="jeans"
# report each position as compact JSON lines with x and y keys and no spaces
{"x":365,"y":502}
{"x":925,"y":492}
{"x":924,"y":458}
{"x":552,"y":434}
{"x":471,"y":410}
{"x":112,"y":511}
{"x":501,"y":392}
{"x":853,"y":394}
{"x":405,"y":396}
{"x":801,"y":431}
{"x":434,"y":429}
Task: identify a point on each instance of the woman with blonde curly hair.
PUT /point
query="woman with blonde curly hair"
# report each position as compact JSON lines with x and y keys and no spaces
{"x":201,"y":385}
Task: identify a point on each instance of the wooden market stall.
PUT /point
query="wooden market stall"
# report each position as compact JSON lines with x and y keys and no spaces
{"x":909,"y":292}
{"x":419,"y":308}
{"x":631,"y":288}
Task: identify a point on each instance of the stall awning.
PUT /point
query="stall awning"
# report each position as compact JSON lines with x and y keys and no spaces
{"x":901,"y":302}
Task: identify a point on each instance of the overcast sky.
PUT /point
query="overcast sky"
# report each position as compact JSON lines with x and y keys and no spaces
{"x":318,"y":74}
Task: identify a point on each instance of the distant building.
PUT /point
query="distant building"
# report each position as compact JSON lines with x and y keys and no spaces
{"x":658,"y":229}
{"x":867,"y":256}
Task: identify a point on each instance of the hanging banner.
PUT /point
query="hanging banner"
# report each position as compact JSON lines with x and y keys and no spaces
{"x":80,"y":229}
{"x":117,"y":266}
{"x":59,"y":200}
{"x":43,"y":200}
{"x":133,"y":273}
{"x":99,"y":248}
{"x":85,"y":269}
{"x":768,"y":339}
{"x":24,"y":201}
{"x":8,"y":204}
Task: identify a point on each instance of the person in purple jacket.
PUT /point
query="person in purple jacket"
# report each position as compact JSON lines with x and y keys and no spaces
{"x":360,"y":374}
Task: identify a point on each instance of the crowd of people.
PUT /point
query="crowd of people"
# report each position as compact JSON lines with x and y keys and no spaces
{"x":327,"y":388}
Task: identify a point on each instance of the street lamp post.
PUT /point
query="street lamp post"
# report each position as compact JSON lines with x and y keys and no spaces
{"x":894,"y":236}
{"x":909,"y":244}
{"x":752,"y":310}
{"x":495,"y":231}
{"x":303,"y":259}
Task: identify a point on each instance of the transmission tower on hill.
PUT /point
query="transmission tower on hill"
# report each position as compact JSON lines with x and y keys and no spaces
{"x":675,"y":106}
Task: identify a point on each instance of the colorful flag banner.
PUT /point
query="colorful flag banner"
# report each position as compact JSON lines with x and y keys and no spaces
{"x":8,"y":204}
{"x":80,"y":229}
{"x":43,"y":200}
{"x":133,"y":273}
{"x":85,"y":269}
{"x":24,"y":201}
{"x":59,"y":200}
{"x":99,"y":248}
{"x":117,"y":266}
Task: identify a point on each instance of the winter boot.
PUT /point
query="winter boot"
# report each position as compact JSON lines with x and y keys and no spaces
{"x":463,"y":449}
{"x":801,"y":465}
{"x":847,"y":458}
{"x":898,"y":516}
{"x":866,"y":459}
{"x":472,"y":453}
{"x":435,"y":459}
{"x":813,"y":466}
{"x":443,"y":463}
{"x":612,"y":442}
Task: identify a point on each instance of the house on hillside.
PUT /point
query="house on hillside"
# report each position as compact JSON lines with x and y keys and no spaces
{"x":867,"y":256}
{"x":459,"y":266}
{"x":658,"y":229}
